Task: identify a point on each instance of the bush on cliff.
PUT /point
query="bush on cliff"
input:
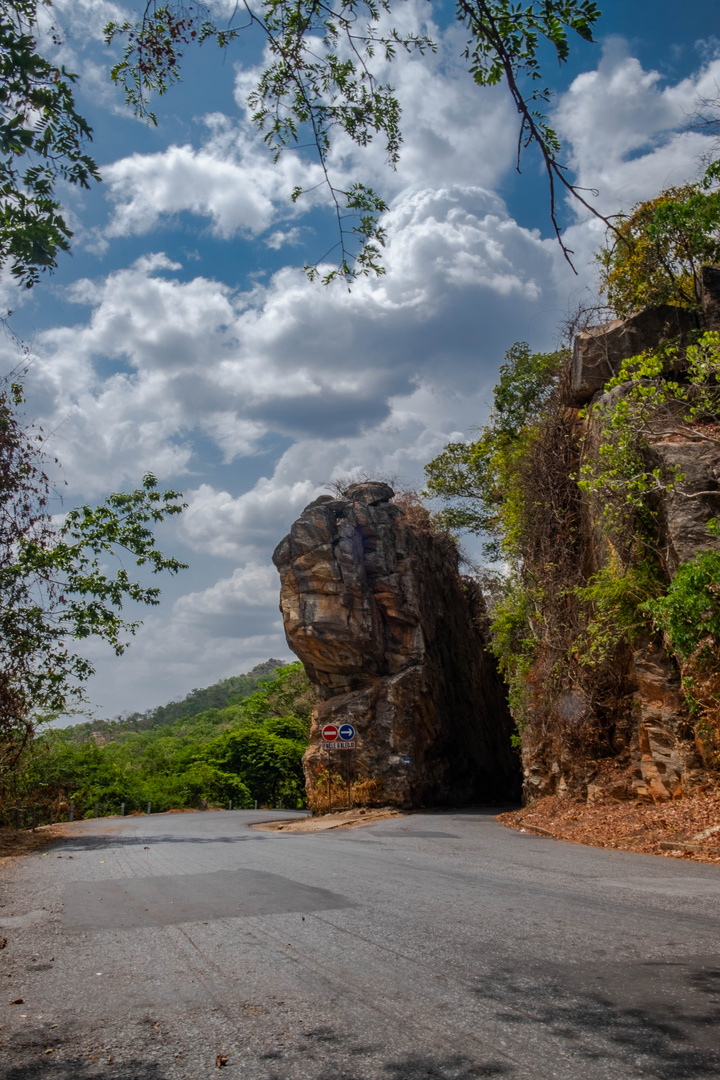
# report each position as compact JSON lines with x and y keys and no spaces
{"x":689,"y":616}
{"x":656,"y":251}
{"x":570,"y":502}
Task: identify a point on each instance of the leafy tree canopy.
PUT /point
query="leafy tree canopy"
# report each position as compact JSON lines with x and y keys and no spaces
{"x":54,"y":582}
{"x":218,"y":696}
{"x":476,"y":478}
{"x":641,"y":404}
{"x":320,"y":81}
{"x":655,"y":253}
{"x":41,"y":141}
{"x":247,"y":751}
{"x":689,"y":613}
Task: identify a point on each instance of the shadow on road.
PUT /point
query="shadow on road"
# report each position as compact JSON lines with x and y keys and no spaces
{"x":94,"y":843}
{"x":662,"y":1017}
{"x":415,"y":1067}
{"x":77,"y":1069}
{"x":454,"y":1068}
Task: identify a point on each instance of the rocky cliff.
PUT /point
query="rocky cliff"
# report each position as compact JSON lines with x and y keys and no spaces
{"x":393,"y":639}
{"x":624,"y":730}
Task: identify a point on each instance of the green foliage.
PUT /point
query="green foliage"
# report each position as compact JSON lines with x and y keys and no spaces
{"x":208,"y":701}
{"x":689,"y":613}
{"x":41,"y":142}
{"x":640,"y":403}
{"x":657,"y":251}
{"x":510,"y":486}
{"x":506,"y":40}
{"x":515,"y":645}
{"x":689,"y":616}
{"x":54,"y":583}
{"x":542,"y":475}
{"x":230,"y":691}
{"x":247,"y":751}
{"x":319,"y":81}
{"x":269,"y":764}
{"x":479,"y":479}
{"x":287,"y":693}
{"x":526,"y":381}
{"x":553,"y":629}
{"x":615,"y":600}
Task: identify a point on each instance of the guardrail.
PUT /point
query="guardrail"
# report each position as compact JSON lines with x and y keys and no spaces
{"x":35,"y":814}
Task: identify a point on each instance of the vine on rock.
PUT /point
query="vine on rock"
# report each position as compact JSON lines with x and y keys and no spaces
{"x":570,"y":502}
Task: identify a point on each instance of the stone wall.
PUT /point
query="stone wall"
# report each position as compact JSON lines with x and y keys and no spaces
{"x":393,"y":639}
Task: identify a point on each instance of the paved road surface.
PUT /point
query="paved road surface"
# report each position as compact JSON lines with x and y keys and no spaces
{"x":441,"y":945}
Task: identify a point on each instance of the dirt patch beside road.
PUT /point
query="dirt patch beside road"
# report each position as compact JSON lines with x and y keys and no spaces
{"x":23,"y":841}
{"x":688,"y":828}
{"x":344,"y":819}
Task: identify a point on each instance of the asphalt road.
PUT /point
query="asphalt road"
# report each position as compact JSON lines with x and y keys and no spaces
{"x":440,"y":945}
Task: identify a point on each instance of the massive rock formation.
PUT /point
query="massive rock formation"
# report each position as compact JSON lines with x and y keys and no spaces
{"x":393,"y":638}
{"x":650,"y":752}
{"x":599,"y":351}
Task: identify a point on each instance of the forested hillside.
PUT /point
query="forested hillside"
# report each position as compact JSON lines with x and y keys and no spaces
{"x":218,"y":696}
{"x":249,"y":749}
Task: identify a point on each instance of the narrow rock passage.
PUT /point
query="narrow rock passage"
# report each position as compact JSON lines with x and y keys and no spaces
{"x":437,"y":945}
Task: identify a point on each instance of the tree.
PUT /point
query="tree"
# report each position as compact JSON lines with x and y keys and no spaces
{"x":655,"y":253}
{"x":269,"y":764}
{"x":175,"y":764}
{"x":514,"y":486}
{"x":320,"y":79}
{"x":54,"y":588}
{"x":689,"y":617}
{"x":478,"y":479}
{"x":41,"y":141}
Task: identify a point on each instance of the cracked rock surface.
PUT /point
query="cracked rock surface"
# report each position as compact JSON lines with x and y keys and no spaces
{"x":393,"y":638}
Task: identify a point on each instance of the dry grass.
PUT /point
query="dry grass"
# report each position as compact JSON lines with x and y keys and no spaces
{"x":362,"y":792}
{"x":628,"y":826}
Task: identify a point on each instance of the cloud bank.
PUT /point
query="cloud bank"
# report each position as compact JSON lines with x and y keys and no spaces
{"x":253,"y":399}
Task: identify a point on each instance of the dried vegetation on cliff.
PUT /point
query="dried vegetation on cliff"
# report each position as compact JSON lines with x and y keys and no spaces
{"x":596,"y":482}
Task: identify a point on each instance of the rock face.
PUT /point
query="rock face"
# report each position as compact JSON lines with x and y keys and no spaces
{"x":709,"y":292}
{"x":654,"y":755}
{"x":599,"y":351}
{"x":663,"y":761}
{"x":685,"y":516}
{"x":393,"y":639}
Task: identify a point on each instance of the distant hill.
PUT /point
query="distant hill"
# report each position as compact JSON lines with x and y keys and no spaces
{"x":248,"y":749}
{"x":218,"y":696}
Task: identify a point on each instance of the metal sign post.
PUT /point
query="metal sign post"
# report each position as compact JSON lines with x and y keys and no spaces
{"x":347,"y":734}
{"x":329,"y":734}
{"x":338,"y":738}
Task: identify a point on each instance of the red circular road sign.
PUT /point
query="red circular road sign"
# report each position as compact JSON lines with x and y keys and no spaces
{"x":329,"y":733}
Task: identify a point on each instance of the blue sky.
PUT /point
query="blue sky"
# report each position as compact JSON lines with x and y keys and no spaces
{"x":182,"y":337}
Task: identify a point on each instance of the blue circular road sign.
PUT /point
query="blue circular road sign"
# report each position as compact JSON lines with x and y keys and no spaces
{"x":346,"y":732}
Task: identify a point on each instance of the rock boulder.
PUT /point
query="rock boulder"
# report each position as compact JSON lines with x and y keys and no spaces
{"x":393,"y":639}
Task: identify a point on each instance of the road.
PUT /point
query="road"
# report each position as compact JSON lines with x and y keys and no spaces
{"x":439,"y":945}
